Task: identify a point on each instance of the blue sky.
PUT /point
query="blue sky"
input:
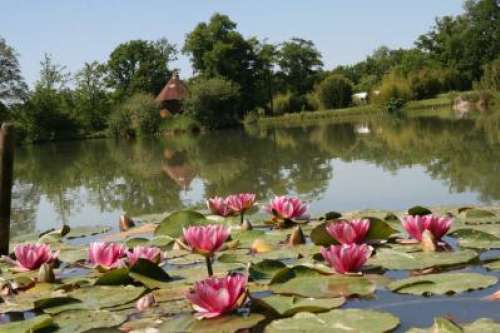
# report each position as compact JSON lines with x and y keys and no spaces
{"x":345,"y":31}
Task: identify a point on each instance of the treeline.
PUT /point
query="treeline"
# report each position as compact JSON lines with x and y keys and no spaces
{"x":235,"y":76}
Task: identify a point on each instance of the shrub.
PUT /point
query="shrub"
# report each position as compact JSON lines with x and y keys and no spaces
{"x":394,"y":91}
{"x":335,"y":91}
{"x":424,"y":84}
{"x":491,"y":76}
{"x":288,"y":103}
{"x":137,"y":115}
{"x":214,"y":103}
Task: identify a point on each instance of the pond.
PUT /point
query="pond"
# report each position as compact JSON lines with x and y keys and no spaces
{"x":379,"y":162}
{"x":383,"y":163}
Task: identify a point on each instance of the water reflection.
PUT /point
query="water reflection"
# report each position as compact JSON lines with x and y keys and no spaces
{"x":381,"y":162}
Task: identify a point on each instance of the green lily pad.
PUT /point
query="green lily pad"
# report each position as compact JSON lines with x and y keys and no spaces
{"x":172,"y":225}
{"x":149,"y":274}
{"x":325,"y":286}
{"x":378,"y":230}
{"x":493,"y":265}
{"x":100,"y":297}
{"x":419,"y":210}
{"x":289,"y":273}
{"x":72,"y":254}
{"x":224,"y":324}
{"x":441,"y":284}
{"x":265,"y":270}
{"x":114,"y":277}
{"x":86,"y":231}
{"x":332,"y":215}
{"x":25,"y":301}
{"x":285,"y":306}
{"x":28,"y":325}
{"x":336,"y":321}
{"x":443,"y":325}
{"x":476,"y":239}
{"x":476,"y":216}
{"x":76,"y":321}
{"x":397,"y":260}
{"x":136,"y":241}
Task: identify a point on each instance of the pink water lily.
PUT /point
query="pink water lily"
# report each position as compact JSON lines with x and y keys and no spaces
{"x":152,"y":254}
{"x":107,"y":255}
{"x":416,"y":225}
{"x":349,"y":232}
{"x":287,"y":208}
{"x":206,"y":239}
{"x":219,"y":206}
{"x":240,"y":203}
{"x":214,"y":297}
{"x":30,"y":257}
{"x":346,"y":258}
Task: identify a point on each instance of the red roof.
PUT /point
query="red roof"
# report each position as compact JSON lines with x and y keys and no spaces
{"x":173,"y":90}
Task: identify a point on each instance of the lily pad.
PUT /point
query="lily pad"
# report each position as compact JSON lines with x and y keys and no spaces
{"x":149,"y":274}
{"x":378,"y":230}
{"x":325,"y":286}
{"x":75,"y":321}
{"x":336,"y":321}
{"x":289,"y":273}
{"x":419,"y":210}
{"x":86,"y":231}
{"x":285,"y":306}
{"x":28,"y":325}
{"x":72,"y":254}
{"x":476,"y":216}
{"x":443,"y":325}
{"x":398,"y":260}
{"x":114,"y":277}
{"x":100,"y":297}
{"x":441,"y":284}
{"x":476,"y":239}
{"x":493,"y":265}
{"x":172,"y":225}
{"x":225,"y":324}
{"x":265,"y":270}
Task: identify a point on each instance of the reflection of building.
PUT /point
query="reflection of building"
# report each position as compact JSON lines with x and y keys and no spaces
{"x":177,"y":168}
{"x":172,"y":96}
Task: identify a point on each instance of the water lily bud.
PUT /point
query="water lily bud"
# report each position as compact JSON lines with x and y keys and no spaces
{"x":297,"y":237}
{"x":428,"y":242}
{"x":246,"y":225}
{"x":46,"y":274}
{"x":145,"y":302}
{"x":125,"y":223}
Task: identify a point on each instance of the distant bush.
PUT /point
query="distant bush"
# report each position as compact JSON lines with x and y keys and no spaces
{"x":214,"y":103}
{"x":394,"y":91}
{"x":491,"y":76}
{"x":288,"y":103}
{"x":312,"y":102}
{"x":335,"y":91}
{"x":424,"y":84}
{"x":137,"y":115}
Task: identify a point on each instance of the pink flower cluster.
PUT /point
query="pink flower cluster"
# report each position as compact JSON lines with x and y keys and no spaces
{"x":286,"y":208}
{"x":352,"y":253}
{"x":234,"y":204}
{"x":206,"y":239}
{"x":30,"y":257}
{"x":110,"y":255}
{"x":416,"y":225}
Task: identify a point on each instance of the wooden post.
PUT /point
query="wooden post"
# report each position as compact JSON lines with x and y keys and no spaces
{"x":7,"y":144}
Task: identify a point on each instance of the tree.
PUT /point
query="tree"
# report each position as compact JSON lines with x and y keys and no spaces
{"x":140,"y":66}
{"x":137,"y":115}
{"x":91,"y":98}
{"x":335,"y":91}
{"x":217,"y":49}
{"x":299,"y":63}
{"x":12,"y":86}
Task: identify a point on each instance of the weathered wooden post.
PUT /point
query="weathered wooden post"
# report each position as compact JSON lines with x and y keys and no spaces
{"x":7,"y":144}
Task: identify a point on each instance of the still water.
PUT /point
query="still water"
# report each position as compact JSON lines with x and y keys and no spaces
{"x":380,"y":162}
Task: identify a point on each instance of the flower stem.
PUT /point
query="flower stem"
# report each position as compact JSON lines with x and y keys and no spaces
{"x":242,"y":216}
{"x":208,"y":260}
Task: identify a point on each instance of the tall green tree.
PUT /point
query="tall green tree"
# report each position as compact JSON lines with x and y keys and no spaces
{"x":12,"y":86}
{"x":140,"y":66}
{"x":91,"y":97}
{"x":299,"y":62}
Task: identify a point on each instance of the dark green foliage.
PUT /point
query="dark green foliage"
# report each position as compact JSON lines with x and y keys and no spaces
{"x":393,"y":92}
{"x":491,"y":76}
{"x":214,"y":103}
{"x":137,"y":115}
{"x":12,"y":86}
{"x":288,"y":103}
{"x":335,"y":92}
{"x":424,"y":84}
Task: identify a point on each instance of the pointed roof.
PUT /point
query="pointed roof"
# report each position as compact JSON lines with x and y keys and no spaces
{"x":175,"y":89}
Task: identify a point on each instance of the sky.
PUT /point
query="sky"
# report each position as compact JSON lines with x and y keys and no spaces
{"x":344,"y":31}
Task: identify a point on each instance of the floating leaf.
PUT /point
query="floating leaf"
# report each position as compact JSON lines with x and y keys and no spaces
{"x":137,"y":241}
{"x":419,"y":210}
{"x":476,"y":239}
{"x":149,"y":274}
{"x":25,"y":301}
{"x":114,"y":277}
{"x":378,"y":230}
{"x":397,"y":260}
{"x":289,"y":273}
{"x":325,"y":286}
{"x":349,"y":320}
{"x":443,"y":325}
{"x":332,"y":215}
{"x":86,"y":231}
{"x":265,"y":269}
{"x":28,"y":325}
{"x":480,"y":216}
{"x":99,"y":297}
{"x":441,"y":284}
{"x":76,"y":321}
{"x":286,"y":306}
{"x":172,"y":225}
{"x":493,"y":265}
{"x":224,"y":324}
{"x":72,"y":254}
